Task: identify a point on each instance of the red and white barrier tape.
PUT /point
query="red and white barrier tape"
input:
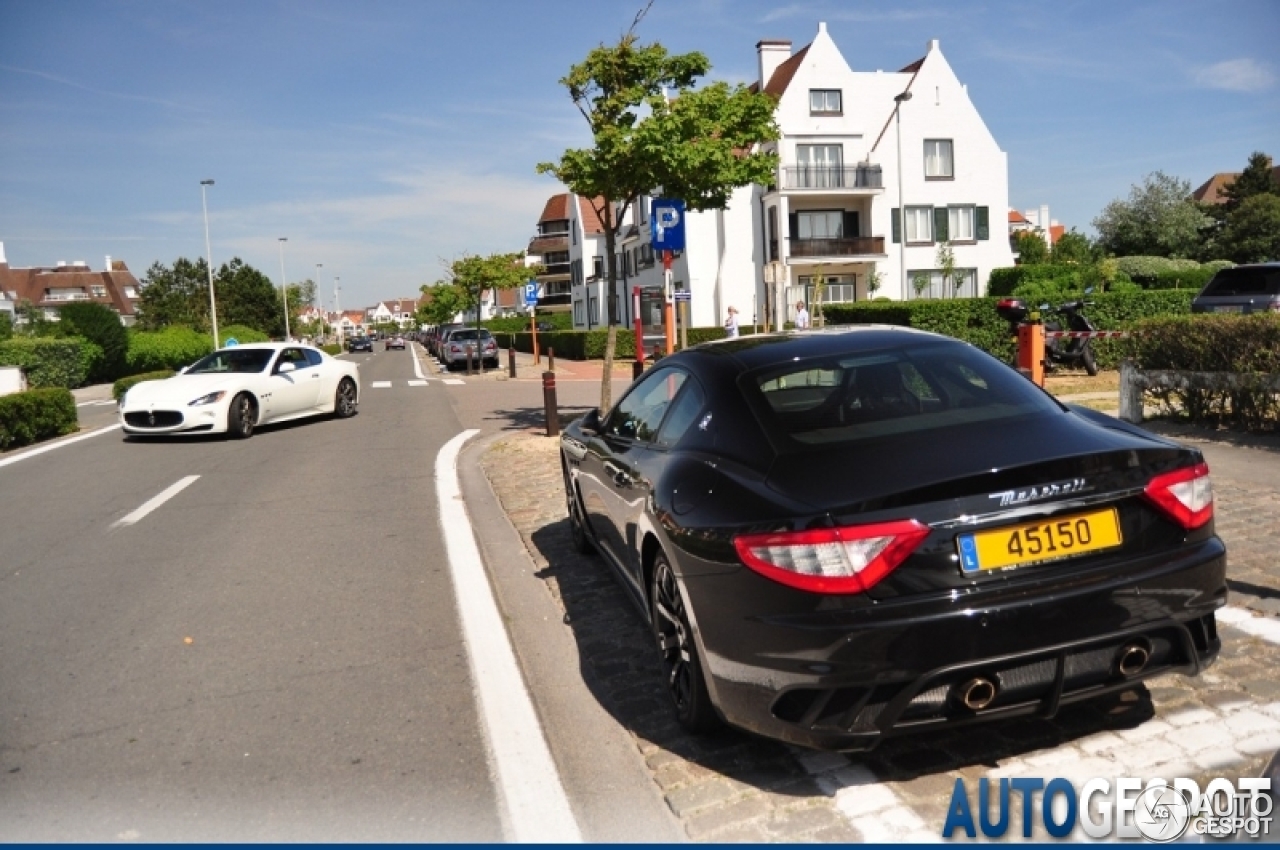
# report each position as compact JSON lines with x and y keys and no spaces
{"x":1085,"y":334}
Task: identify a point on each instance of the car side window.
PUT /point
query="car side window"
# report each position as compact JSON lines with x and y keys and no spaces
{"x":640,"y":413}
{"x":294,"y":356}
{"x":313,"y":356}
{"x":688,"y":407}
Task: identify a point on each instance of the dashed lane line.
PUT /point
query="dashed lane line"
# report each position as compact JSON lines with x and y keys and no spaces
{"x":537,"y":809}
{"x":156,"y":501}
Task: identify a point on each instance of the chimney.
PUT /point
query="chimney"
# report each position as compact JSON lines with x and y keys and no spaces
{"x":3,"y":261}
{"x":933,"y":45}
{"x":1044,"y":225}
{"x":108,"y":262}
{"x":772,"y":53}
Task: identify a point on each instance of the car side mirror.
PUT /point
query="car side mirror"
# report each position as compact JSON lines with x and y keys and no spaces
{"x":285,"y":368}
{"x":591,"y":423}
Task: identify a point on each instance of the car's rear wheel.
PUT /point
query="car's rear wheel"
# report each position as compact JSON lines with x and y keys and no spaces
{"x":344,"y":402}
{"x":681,"y":666}
{"x":577,"y":523}
{"x":242,"y":416}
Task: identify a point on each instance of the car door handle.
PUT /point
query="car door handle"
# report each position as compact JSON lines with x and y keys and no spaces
{"x":619,"y":475}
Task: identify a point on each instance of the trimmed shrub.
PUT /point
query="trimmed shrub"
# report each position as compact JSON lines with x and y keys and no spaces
{"x":331,"y":349}
{"x":241,"y":334}
{"x":101,"y":326}
{"x":35,"y":415}
{"x":172,"y":348}
{"x":49,"y":362}
{"x":1004,"y":281}
{"x":120,"y":387}
{"x":1214,"y":343}
{"x":516,"y":324}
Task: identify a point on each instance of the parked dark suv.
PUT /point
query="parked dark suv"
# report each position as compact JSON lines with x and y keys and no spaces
{"x":1251,"y":288}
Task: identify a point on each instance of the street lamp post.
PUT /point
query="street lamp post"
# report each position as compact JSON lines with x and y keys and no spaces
{"x":208,"y":251}
{"x":321,"y":297}
{"x":284,"y":288}
{"x":898,"y":100}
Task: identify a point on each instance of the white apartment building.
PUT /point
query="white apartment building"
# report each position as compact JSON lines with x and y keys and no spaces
{"x":856,"y":149}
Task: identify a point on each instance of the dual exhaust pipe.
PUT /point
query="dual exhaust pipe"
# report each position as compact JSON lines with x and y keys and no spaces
{"x":979,"y":692}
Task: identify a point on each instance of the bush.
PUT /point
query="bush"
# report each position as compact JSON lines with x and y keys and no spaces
{"x":516,"y":324}
{"x":1242,"y":346}
{"x":172,"y":348}
{"x":241,"y":334}
{"x":35,"y":415}
{"x":49,"y":362}
{"x":120,"y":387}
{"x":6,"y":325}
{"x":101,"y":326}
{"x":331,"y":349}
{"x":1004,"y":281}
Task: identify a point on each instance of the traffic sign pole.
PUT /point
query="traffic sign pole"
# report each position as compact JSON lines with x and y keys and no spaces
{"x":668,"y":317}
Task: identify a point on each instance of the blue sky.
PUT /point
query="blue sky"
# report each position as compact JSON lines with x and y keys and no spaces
{"x":382,"y":137}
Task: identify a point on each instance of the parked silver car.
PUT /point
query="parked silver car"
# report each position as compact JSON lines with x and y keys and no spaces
{"x":453,"y":349}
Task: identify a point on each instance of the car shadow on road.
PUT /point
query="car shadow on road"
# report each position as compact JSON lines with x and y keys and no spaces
{"x":619,"y":664}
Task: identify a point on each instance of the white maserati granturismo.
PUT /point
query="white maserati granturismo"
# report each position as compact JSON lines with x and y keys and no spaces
{"x":234,"y":390}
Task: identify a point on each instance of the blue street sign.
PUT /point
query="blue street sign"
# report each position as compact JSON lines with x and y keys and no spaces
{"x":666,"y":224}
{"x":231,"y":341}
{"x":683,"y":295}
{"x":531,"y":293}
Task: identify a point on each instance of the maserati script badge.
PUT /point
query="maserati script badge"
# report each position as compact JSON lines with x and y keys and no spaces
{"x":1043,"y":491}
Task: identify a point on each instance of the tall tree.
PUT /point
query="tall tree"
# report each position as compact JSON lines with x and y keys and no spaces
{"x":697,"y":144}
{"x":1256,"y":179}
{"x":177,"y":295}
{"x":1072,"y":249}
{"x":1159,"y":219}
{"x":445,"y":303}
{"x":247,"y":297}
{"x":1031,"y":248}
{"x":1251,"y":233}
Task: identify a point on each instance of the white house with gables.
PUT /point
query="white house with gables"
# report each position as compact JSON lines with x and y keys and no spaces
{"x":877,"y":171}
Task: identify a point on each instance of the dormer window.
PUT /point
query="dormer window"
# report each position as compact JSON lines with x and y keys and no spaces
{"x":825,"y":102}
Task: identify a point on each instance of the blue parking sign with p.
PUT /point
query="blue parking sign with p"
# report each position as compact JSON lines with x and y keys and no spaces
{"x":531,"y":293}
{"x":666,"y":224}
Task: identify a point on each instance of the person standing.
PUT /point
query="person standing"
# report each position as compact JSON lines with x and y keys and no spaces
{"x":731,"y":323}
{"x":802,"y":317}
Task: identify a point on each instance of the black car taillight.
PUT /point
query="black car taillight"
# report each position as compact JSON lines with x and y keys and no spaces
{"x":1186,"y":495}
{"x":851,"y":559}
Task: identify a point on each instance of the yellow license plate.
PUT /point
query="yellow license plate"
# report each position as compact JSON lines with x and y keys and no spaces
{"x":1037,"y":542}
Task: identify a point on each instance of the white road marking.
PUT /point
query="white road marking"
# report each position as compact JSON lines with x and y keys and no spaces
{"x":57,"y":445}
{"x":536,"y":806}
{"x":156,"y":501}
{"x":97,"y":403}
{"x":1266,"y":628}
{"x":417,"y":367}
{"x":417,"y":383}
{"x":380,"y":385}
{"x":453,"y":381}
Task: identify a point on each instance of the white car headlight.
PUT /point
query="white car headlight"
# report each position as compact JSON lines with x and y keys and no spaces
{"x":208,"y":399}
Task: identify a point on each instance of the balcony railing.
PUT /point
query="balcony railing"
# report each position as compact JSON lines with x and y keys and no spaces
{"x":857,"y":246}
{"x":832,"y":177}
{"x":66,"y":296}
{"x":551,"y":269}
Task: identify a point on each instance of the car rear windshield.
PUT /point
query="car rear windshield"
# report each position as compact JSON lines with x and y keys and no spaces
{"x":1245,"y":281}
{"x":469,"y":334}
{"x":855,"y":396}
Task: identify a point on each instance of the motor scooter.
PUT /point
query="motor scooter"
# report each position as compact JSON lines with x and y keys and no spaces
{"x":1068,"y":351}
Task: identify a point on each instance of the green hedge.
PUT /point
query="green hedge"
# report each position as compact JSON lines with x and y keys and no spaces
{"x":35,"y":415}
{"x":1062,"y":277}
{"x":172,"y":348}
{"x":101,"y":326}
{"x":516,"y":324}
{"x":50,"y":362}
{"x":120,"y":387}
{"x":331,"y":349}
{"x":1239,"y":345}
{"x":975,"y":320}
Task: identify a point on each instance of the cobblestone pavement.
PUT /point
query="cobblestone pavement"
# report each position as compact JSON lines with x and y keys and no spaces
{"x":735,"y":787}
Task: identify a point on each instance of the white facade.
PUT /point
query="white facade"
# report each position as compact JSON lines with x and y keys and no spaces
{"x":833,"y":211}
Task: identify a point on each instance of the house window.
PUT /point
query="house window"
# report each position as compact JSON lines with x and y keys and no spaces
{"x":597,"y":267}
{"x":825,"y":102}
{"x":819,"y":166}
{"x":937,"y":159}
{"x":928,"y":283}
{"x":828,"y":224}
{"x":919,"y":221}
{"x":99,"y":291}
{"x":960,"y":220}
{"x":836,"y":289}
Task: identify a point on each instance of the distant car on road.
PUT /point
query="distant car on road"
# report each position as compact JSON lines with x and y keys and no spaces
{"x":234,"y":390}
{"x":545,"y":326}
{"x":396,"y":342}
{"x":1253,"y":288}
{"x":360,"y":343}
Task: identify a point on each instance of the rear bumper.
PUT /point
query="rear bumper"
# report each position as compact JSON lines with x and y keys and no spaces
{"x":847,"y":679}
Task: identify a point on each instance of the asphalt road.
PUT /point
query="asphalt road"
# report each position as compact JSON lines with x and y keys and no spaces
{"x":272,"y":654}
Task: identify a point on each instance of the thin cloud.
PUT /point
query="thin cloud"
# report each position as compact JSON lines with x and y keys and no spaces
{"x":53,"y":78}
{"x":1244,"y":75}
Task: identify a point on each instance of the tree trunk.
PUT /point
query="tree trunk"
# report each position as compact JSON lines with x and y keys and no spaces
{"x":611,"y":340}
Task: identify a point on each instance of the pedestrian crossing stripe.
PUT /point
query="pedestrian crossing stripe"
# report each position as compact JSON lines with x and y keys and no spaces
{"x":417,"y":383}
{"x":378,"y":385}
{"x":454,"y":381}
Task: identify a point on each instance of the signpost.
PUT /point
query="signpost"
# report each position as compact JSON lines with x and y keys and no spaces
{"x":666,"y":224}
{"x":531,"y":301}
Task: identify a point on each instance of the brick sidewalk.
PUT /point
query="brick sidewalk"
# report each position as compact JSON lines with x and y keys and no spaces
{"x":734,"y":787}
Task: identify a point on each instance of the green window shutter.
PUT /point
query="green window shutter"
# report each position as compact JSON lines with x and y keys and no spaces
{"x":941,"y":225}
{"x":983,"y":227}
{"x":897,"y":225}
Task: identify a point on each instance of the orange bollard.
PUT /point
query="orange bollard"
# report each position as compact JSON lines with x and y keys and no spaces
{"x":1031,"y":351}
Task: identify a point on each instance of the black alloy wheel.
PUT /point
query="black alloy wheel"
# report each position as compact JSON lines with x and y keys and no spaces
{"x":344,"y":403}
{"x":242,"y":416}
{"x":681,"y":666}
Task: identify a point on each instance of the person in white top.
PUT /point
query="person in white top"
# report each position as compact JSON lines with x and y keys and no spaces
{"x":802,"y":317}
{"x":731,"y":323}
